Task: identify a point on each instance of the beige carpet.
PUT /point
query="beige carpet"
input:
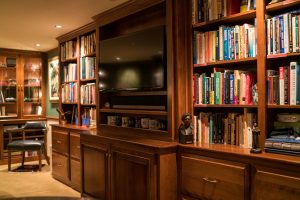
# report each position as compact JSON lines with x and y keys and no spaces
{"x":24,"y":184}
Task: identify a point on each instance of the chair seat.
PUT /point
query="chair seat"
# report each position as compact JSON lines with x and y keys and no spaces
{"x":25,"y":145}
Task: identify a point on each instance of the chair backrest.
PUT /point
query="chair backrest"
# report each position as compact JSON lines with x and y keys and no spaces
{"x":35,"y":125}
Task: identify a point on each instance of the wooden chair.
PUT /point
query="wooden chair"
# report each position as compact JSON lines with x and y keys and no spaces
{"x":28,"y":143}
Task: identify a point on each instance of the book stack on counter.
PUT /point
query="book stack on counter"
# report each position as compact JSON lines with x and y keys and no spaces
{"x":284,"y":141}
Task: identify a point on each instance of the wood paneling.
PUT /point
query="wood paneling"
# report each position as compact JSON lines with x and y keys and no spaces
{"x":275,"y":186}
{"x":95,"y":171}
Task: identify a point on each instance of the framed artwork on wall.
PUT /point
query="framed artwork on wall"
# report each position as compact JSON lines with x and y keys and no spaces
{"x":53,"y":85}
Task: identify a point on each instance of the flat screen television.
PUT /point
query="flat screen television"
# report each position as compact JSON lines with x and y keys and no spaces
{"x":134,"y":61}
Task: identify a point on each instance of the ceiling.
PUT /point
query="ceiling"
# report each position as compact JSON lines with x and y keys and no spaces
{"x":24,"y":23}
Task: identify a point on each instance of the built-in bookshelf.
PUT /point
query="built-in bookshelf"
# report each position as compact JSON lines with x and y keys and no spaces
{"x":282,"y":67}
{"x":78,"y":76}
{"x":224,"y":72}
{"x":271,"y":64}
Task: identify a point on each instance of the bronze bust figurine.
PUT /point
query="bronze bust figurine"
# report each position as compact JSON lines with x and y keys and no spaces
{"x":186,"y":129}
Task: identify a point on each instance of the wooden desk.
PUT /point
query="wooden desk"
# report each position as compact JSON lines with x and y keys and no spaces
{"x":6,"y":122}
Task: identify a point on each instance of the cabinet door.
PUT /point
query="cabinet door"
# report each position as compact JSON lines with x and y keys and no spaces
{"x":95,"y":171}
{"x":75,"y":174}
{"x":132,"y":176}
{"x":8,"y":86}
{"x":207,"y":178}
{"x":275,"y":186}
{"x":60,"y":167}
{"x":31,"y":88}
{"x":75,"y":145}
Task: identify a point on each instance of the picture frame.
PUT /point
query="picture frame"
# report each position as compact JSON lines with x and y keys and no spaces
{"x":53,"y":79}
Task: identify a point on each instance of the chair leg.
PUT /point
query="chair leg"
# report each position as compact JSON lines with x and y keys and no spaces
{"x":40,"y":159}
{"x":9,"y":160}
{"x":46,"y":156}
{"x":23,"y":158}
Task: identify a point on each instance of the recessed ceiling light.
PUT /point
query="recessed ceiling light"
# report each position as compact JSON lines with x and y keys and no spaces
{"x":37,"y":45}
{"x":58,"y":26}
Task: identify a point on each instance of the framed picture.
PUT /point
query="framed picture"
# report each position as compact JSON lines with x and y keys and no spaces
{"x":53,"y":85}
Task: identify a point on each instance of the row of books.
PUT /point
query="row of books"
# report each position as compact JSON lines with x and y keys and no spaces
{"x":226,"y":43}
{"x":68,"y":50}
{"x":228,"y":87}
{"x":283,"y":85}
{"x":224,"y":128}
{"x":207,"y":10}
{"x":69,"y":72}
{"x":87,"y":44}
{"x":69,"y":93}
{"x":87,"y":67}
{"x":283,"y":33}
{"x":88,"y":93}
{"x":88,"y":117}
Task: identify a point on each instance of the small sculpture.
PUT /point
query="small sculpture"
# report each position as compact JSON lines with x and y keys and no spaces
{"x":255,"y":143}
{"x":186,"y":129}
{"x":62,"y":116}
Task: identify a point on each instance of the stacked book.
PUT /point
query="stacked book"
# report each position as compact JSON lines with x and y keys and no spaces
{"x":283,"y":143}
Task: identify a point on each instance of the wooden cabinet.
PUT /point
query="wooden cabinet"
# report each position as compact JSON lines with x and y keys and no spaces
{"x":21,"y":80}
{"x":203,"y":177}
{"x":268,"y":185}
{"x":66,"y":154}
{"x":132,"y":169}
{"x":222,"y":172}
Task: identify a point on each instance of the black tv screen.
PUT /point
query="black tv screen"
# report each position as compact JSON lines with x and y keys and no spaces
{"x":134,"y":61}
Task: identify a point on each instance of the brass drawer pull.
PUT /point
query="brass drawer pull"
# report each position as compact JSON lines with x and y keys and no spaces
{"x":210,"y":180}
{"x":58,"y":141}
{"x":59,"y":165}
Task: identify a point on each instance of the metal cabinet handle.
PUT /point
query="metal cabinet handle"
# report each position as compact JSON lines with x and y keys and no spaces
{"x":58,"y":141}
{"x":210,"y":180}
{"x":59,"y":165}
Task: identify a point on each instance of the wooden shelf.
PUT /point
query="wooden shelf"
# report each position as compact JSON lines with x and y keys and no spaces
{"x":287,"y":4}
{"x":32,"y":102}
{"x":69,"y":103}
{"x":236,"y":18}
{"x":69,"y":60}
{"x":284,"y":106}
{"x":137,"y":112}
{"x":92,"y":104}
{"x":226,"y":62}
{"x":282,"y":55}
{"x":121,"y":129}
{"x":224,"y":106}
{"x":137,"y":93}
{"x":89,"y":55}
{"x":88,"y":80}
{"x":8,"y":68}
{"x":69,"y":82}
{"x":8,"y":103}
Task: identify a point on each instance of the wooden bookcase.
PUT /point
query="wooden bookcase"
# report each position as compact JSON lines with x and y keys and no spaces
{"x":266,"y":114}
{"x":78,"y":75}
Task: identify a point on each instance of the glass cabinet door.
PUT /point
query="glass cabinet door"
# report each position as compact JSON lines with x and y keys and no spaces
{"x":8,"y":86}
{"x":32,"y":90}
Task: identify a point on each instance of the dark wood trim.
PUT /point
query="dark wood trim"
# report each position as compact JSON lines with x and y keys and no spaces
{"x":80,"y":31}
{"x":123,"y":10}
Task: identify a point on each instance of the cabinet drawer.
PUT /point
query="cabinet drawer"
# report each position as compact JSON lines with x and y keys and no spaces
{"x":75,"y":175}
{"x":60,"y":167}
{"x":268,"y":185}
{"x":213,"y":179}
{"x":60,"y":142}
{"x":75,"y":145}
